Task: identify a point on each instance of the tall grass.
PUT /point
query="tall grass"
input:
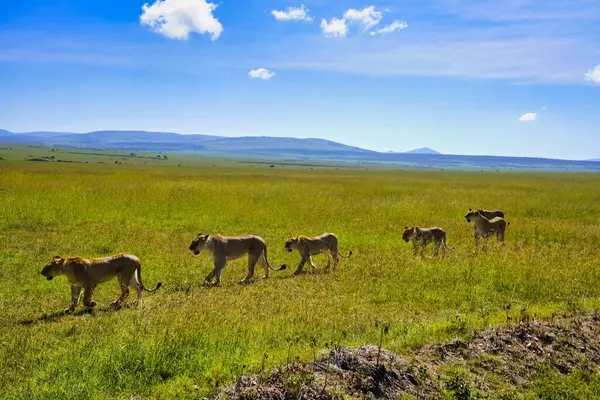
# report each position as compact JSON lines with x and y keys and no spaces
{"x":186,"y":339}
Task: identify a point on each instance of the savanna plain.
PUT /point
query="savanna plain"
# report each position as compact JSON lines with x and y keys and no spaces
{"x":186,"y":340}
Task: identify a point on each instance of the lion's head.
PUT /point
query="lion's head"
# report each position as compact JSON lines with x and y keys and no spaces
{"x":291,"y":243}
{"x":471,"y":214}
{"x":53,"y":268}
{"x":410,"y":233}
{"x":199,"y":243}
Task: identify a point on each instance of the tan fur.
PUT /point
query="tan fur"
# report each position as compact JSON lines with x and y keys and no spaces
{"x":310,"y":246}
{"x":485,"y":227}
{"x":489,"y":214}
{"x":423,"y":236}
{"x":227,"y":248}
{"x":86,"y":274}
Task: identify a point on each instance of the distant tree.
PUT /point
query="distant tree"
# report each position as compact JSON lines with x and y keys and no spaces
{"x":132,"y":154}
{"x":164,"y":157}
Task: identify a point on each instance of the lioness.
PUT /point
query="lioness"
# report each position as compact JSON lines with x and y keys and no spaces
{"x":489,"y":214}
{"x":86,"y":274}
{"x":485,"y":227}
{"x":226,"y":248}
{"x":310,"y":246}
{"x":424,"y":236}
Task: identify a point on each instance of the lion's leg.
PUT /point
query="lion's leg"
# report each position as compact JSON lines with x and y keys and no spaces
{"x":210,"y":276}
{"x":476,"y":241}
{"x":75,"y":294}
{"x":423,"y":246}
{"x":336,"y":258}
{"x":300,"y":266}
{"x":87,"y":296}
{"x":124,"y":285}
{"x":436,"y":248}
{"x":252,"y":260}
{"x":138,"y":288}
{"x":263,"y":262}
{"x":219,"y":265}
{"x":415,"y":248}
{"x":312,"y":264}
{"x":329,"y":257}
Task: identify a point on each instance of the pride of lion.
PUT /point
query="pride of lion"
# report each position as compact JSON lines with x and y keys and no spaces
{"x":84,"y":275}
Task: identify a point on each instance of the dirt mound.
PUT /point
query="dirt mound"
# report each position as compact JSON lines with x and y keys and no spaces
{"x":510,"y":356}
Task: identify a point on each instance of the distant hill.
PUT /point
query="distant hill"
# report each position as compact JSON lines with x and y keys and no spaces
{"x":595,"y":160}
{"x":286,"y":148}
{"x":167,"y":141}
{"x":423,"y":150}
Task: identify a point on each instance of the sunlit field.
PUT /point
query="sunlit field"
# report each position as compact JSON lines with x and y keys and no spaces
{"x":187,"y":339}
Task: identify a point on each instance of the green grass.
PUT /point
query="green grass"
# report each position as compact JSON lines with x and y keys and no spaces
{"x":186,"y":335}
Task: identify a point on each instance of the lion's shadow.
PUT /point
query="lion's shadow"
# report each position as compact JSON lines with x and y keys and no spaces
{"x":57,"y":316}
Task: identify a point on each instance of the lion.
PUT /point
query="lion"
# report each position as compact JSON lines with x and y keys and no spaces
{"x":485,"y":227}
{"x":424,"y":236}
{"x":310,"y":246}
{"x":227,"y":248}
{"x":86,"y":274}
{"x":489,"y":214}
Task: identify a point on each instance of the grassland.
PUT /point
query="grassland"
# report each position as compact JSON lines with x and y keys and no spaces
{"x":187,"y":339}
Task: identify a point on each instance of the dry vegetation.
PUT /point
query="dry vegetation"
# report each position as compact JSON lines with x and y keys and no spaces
{"x":187,"y":340}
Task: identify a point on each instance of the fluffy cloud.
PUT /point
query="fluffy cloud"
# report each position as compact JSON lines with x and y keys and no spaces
{"x":528,"y":117}
{"x":368,"y":17}
{"x":593,"y":75}
{"x":391,"y":28}
{"x":336,"y":27}
{"x":176,"y":19}
{"x":261,"y":73}
{"x":292,"y":14}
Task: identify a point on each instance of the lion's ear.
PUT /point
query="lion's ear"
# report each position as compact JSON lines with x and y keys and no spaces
{"x":470,"y":209}
{"x":57,"y":258}
{"x":406,"y":227}
{"x":417,"y":229}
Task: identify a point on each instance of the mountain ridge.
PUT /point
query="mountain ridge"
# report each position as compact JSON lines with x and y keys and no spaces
{"x":286,"y":148}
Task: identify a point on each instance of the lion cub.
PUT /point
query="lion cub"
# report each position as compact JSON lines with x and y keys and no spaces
{"x":310,"y":246}
{"x":485,"y":227}
{"x":424,"y":236}
{"x":86,"y":274}
{"x":227,"y":248}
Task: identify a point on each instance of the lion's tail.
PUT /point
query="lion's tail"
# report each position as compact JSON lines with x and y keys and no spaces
{"x":446,"y":246}
{"x":269,"y":265}
{"x":345,"y":256}
{"x":139,"y":279}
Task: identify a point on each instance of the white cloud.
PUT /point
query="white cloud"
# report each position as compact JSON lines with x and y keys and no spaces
{"x":367,"y":17}
{"x":293,"y":14}
{"x":528,"y":117}
{"x":176,"y":19}
{"x":261,"y":73}
{"x":593,"y":75}
{"x":391,"y":28}
{"x":336,"y":27}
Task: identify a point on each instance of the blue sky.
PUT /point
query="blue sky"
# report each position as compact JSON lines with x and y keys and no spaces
{"x":454,"y":75}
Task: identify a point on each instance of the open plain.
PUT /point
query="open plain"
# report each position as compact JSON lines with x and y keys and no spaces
{"x":187,"y":340}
